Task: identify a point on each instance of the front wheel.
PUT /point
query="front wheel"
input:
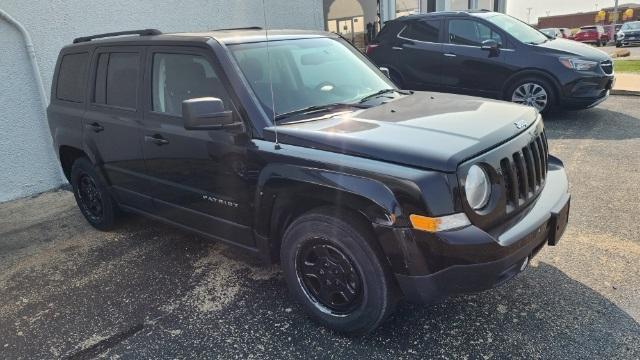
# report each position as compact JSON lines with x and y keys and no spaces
{"x":336,"y":272}
{"x":534,"y":92}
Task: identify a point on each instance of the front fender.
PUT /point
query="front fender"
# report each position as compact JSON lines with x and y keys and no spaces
{"x":370,"y":197}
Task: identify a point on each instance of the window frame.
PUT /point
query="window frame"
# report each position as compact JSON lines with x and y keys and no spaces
{"x":94,"y":75}
{"x":506,"y":44}
{"x":152,"y":115}
{"x":86,"y":77}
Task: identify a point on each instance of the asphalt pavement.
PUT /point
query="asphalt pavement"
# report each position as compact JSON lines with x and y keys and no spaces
{"x":151,"y":291}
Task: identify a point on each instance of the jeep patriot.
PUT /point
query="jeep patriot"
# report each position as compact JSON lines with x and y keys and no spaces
{"x":295,"y":147}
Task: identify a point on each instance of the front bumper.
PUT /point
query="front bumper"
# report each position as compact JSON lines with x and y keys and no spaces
{"x":586,"y":92}
{"x":471,"y":259}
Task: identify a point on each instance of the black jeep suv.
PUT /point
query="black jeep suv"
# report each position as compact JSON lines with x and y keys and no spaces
{"x":494,"y":55}
{"x":295,"y":147}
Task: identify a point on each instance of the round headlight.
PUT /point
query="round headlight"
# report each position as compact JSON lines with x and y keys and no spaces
{"x":477,"y":187}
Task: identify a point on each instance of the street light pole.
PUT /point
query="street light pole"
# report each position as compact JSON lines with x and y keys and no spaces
{"x":529,"y":15}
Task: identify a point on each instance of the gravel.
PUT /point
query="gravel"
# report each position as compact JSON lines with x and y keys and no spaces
{"x":151,"y":291}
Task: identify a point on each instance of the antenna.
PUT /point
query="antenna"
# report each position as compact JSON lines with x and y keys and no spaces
{"x":273,"y":101}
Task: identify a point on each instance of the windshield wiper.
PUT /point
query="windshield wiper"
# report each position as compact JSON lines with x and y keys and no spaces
{"x":382,"y":92}
{"x":314,"y":108}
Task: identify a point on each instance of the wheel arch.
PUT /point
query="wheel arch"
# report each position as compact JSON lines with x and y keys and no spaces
{"x":533,"y":73}
{"x":68,"y":155}
{"x":282,"y":198}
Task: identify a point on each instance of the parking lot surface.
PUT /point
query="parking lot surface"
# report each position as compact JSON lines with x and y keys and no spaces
{"x":150,"y":291}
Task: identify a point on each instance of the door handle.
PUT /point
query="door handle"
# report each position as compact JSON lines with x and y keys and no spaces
{"x":450,"y":55}
{"x":156,"y":139}
{"x":95,"y":127}
{"x":396,"y":48}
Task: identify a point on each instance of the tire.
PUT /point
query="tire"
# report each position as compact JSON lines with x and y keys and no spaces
{"x":93,"y":198}
{"x":322,"y":239}
{"x":549,"y":90}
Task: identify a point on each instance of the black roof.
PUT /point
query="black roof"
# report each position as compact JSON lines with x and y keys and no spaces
{"x":226,"y":36}
{"x":437,"y":14}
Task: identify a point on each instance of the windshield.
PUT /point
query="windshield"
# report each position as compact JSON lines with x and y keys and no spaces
{"x":631,"y":26}
{"x":307,"y":73}
{"x":517,"y":29}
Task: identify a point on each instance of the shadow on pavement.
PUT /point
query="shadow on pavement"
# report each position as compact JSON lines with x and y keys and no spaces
{"x":599,"y":123}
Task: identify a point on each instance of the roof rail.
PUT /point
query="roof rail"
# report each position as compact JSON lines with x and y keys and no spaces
{"x":130,"y":32}
{"x":240,"y":28}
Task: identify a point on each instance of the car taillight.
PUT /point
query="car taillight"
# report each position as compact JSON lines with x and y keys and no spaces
{"x":370,"y":48}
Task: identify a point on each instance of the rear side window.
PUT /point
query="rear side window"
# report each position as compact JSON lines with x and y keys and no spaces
{"x":72,"y":77}
{"x":117,"y":80}
{"x":428,"y":31}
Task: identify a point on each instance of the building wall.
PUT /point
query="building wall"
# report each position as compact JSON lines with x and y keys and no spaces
{"x":28,"y":164}
{"x":576,"y":20}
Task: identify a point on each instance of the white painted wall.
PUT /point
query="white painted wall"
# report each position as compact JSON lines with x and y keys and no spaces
{"x":28,"y":164}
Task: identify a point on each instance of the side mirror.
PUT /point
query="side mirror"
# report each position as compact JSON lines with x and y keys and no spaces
{"x":206,"y":113}
{"x":490,"y":45}
{"x":385,"y":71}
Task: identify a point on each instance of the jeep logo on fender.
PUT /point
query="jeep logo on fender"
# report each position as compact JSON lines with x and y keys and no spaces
{"x":520,"y":124}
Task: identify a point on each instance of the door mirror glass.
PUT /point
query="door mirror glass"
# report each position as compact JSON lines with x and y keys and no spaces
{"x":385,"y":71}
{"x":207,"y":113}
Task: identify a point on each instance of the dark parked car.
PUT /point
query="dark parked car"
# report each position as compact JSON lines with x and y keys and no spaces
{"x":362,"y":192}
{"x":629,"y":34}
{"x":493,"y":55}
{"x":592,"y":34}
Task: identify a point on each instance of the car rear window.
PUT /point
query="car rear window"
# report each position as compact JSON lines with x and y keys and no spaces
{"x":588,"y":28}
{"x":117,"y":80}
{"x":72,"y":77}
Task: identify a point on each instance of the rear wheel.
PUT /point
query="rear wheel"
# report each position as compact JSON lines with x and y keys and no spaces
{"x":532,"y":91}
{"x":334,"y":270}
{"x":92,"y":196}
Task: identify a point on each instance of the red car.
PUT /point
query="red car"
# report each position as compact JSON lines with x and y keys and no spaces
{"x":593,"y":34}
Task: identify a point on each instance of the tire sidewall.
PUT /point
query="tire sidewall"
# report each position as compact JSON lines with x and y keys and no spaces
{"x":551,"y":94}
{"x":82,"y":167}
{"x":375,"y":296}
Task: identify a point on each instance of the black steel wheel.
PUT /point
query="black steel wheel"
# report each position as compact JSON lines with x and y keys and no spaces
{"x":329,"y":277}
{"x":92,"y":195}
{"x":335,"y":269}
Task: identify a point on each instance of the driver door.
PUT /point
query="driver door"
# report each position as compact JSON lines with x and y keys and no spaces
{"x":200,"y":178}
{"x":469,"y":69}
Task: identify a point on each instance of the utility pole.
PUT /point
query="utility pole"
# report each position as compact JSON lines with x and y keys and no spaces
{"x":615,"y":11}
{"x":529,"y":15}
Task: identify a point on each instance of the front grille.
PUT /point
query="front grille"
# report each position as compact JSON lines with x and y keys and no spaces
{"x":524,"y":172}
{"x":607,"y":67}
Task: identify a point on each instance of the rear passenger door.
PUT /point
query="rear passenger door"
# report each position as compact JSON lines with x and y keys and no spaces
{"x":419,"y":54}
{"x":113,"y":122}
{"x":200,"y":178}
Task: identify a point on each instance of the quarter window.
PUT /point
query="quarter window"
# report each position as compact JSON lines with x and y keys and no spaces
{"x":470,"y":32}
{"x":117,"y":80}
{"x":179,"y":77}
{"x":72,"y":77}
{"x":428,"y":31}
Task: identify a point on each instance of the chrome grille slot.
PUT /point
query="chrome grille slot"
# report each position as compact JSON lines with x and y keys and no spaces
{"x":524,"y":172}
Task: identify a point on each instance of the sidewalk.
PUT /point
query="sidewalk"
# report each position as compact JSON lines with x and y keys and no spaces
{"x":626,"y":84}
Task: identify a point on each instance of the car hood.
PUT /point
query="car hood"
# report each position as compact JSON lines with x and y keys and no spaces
{"x":426,"y":130}
{"x":570,"y":47}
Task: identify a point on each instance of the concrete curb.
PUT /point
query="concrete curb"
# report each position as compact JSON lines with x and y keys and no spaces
{"x":624,"y":92}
